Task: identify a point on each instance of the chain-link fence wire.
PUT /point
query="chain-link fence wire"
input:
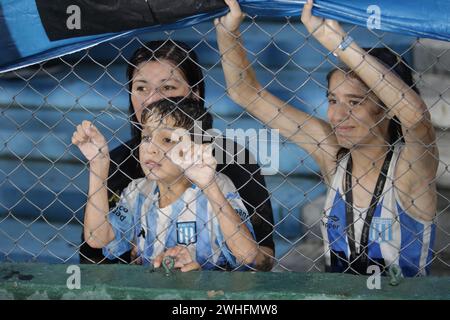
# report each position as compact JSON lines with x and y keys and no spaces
{"x":44,"y":185}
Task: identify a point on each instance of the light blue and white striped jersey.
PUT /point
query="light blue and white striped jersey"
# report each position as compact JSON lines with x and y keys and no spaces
{"x":395,"y":237}
{"x":190,"y":221}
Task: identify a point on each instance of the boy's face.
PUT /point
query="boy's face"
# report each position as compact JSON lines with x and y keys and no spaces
{"x":157,"y":140}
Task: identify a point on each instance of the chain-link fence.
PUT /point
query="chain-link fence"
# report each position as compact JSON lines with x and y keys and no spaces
{"x":284,"y":199}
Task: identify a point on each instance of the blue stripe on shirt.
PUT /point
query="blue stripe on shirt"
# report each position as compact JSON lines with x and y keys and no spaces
{"x":411,"y":243}
{"x":336,"y":226}
{"x":203,"y":249}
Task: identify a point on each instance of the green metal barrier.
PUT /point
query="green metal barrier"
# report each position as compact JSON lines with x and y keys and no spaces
{"x":43,"y":281}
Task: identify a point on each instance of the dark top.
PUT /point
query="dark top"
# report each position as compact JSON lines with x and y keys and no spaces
{"x":246,"y":177}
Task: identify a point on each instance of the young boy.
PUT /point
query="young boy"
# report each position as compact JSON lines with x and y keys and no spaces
{"x":182,"y":208}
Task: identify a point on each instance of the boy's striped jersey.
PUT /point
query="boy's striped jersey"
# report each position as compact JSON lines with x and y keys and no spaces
{"x":188,"y":221}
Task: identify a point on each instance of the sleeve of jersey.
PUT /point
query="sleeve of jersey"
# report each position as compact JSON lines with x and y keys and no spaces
{"x":122,"y":222}
{"x":235,"y":201}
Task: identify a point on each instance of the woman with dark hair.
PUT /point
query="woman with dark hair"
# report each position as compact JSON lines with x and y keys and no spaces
{"x":377,"y":154}
{"x":161,"y":70}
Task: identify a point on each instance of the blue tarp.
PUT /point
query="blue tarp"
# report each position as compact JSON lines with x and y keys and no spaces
{"x":23,"y":40}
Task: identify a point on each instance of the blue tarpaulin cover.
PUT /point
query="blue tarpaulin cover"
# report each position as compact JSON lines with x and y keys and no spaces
{"x":24,"y":40}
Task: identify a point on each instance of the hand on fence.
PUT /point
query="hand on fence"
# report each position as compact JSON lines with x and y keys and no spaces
{"x":182,"y":256}
{"x":232,"y":20}
{"x":91,"y":143}
{"x":327,"y":31}
{"x":196,"y":160}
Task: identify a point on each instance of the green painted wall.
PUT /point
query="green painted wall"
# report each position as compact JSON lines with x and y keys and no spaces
{"x":43,"y":281}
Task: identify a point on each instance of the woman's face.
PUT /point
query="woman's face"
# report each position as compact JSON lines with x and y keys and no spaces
{"x":356,"y":115}
{"x":156,"y":80}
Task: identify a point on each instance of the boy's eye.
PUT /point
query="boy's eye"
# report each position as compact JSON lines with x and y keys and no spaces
{"x":332,"y":101}
{"x":167,"y":140}
{"x":355,"y":102}
{"x":146,"y":138}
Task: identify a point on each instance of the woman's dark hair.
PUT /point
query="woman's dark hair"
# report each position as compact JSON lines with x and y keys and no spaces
{"x":187,"y":113}
{"x":396,"y":64}
{"x":180,"y":55}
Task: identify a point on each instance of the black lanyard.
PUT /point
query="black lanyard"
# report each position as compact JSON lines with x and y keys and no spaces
{"x":373,"y":204}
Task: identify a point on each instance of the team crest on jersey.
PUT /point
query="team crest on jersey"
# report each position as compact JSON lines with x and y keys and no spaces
{"x":381,"y":230}
{"x":186,"y":232}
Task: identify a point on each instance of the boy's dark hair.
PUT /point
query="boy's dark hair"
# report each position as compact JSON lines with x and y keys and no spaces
{"x":180,"y":55}
{"x":187,"y":113}
{"x":396,"y":64}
